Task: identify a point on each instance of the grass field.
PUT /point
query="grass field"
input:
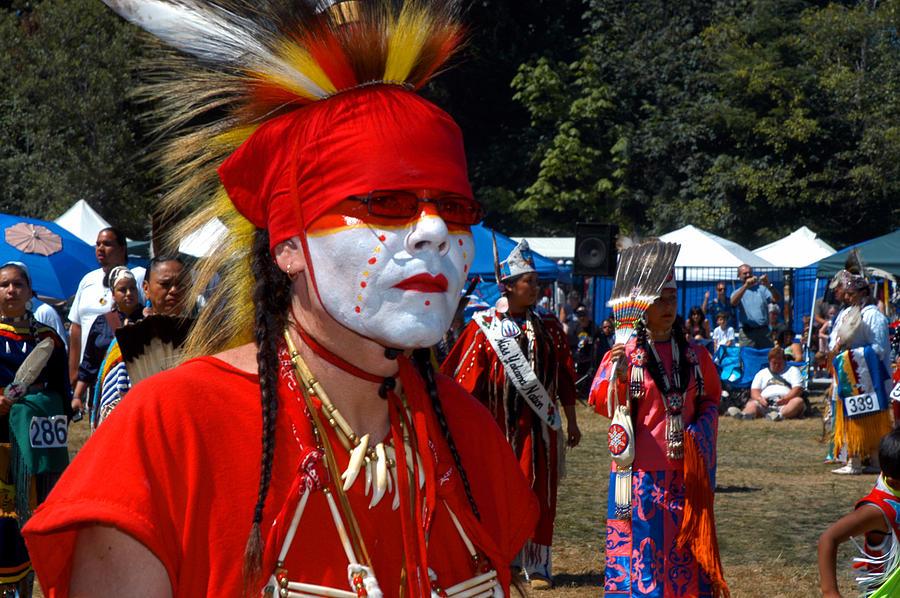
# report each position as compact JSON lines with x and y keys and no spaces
{"x":774,"y":498}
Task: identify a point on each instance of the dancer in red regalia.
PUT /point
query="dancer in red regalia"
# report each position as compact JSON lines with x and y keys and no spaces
{"x":526,"y":404}
{"x":349,"y":211}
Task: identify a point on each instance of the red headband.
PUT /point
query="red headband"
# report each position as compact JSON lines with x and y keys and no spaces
{"x":299,"y":165}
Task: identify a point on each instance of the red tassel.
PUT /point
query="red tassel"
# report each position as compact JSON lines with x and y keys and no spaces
{"x":698,"y":528}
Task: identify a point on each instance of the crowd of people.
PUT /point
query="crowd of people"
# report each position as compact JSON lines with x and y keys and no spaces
{"x":311,"y":444}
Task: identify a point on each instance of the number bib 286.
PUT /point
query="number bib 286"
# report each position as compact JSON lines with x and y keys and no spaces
{"x":859,"y":405}
{"x":49,"y":432}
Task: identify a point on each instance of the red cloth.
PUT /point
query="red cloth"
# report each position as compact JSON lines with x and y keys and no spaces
{"x":184,"y":456}
{"x":298,"y":165}
{"x":475,"y":365}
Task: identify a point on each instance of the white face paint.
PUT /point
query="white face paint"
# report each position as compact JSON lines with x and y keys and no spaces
{"x":395,"y":281}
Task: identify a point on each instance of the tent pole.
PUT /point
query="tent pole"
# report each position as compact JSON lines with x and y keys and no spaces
{"x":812,"y":320}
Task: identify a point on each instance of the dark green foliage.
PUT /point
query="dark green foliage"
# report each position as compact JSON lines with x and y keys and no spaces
{"x":67,"y":128}
{"x":745,"y":118}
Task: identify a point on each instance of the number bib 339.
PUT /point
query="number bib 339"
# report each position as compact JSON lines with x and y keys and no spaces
{"x":859,"y":405}
{"x":49,"y":432}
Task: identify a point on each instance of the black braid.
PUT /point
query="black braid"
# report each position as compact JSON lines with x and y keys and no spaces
{"x":422,"y":359}
{"x":271,"y":300}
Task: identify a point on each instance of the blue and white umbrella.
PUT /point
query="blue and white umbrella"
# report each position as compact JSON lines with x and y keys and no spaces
{"x":56,"y":258}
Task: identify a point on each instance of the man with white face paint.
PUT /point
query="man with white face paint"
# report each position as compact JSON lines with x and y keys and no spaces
{"x":346,"y":196}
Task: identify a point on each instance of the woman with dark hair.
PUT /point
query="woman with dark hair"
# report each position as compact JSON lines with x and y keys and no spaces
{"x":662,"y":541}
{"x":515,"y":337}
{"x":349,"y":211}
{"x":697,"y":326}
{"x":126,"y":309}
{"x":20,"y":333}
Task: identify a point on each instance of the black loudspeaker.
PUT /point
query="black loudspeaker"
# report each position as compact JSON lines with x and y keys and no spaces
{"x":595,"y":249}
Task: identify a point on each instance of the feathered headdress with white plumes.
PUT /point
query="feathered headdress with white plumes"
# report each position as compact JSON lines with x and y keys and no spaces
{"x":640,"y":276}
{"x":237,"y":65}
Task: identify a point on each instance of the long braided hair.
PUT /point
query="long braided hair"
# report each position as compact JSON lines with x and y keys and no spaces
{"x":271,"y":301}
{"x":684,"y":366}
{"x":422,"y":359}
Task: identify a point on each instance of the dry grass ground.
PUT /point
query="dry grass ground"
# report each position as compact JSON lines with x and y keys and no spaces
{"x":774,"y":498}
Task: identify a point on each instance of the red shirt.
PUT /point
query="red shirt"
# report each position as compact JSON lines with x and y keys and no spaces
{"x":177,"y":466}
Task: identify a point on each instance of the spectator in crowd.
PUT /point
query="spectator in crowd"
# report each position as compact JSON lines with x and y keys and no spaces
{"x":94,"y":295}
{"x":775,"y":393}
{"x":696,"y":327}
{"x":751,"y":300}
{"x":586,"y":349}
{"x":723,"y":334}
{"x":608,"y":330}
{"x":126,"y":308}
{"x":825,"y":328}
{"x":784,"y":338}
{"x":824,"y":307}
{"x":164,"y":287}
{"x":720,"y":303}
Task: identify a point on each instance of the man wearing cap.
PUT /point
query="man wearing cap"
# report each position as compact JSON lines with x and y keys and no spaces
{"x":517,"y":362}
{"x":751,"y":301}
{"x":588,"y":344}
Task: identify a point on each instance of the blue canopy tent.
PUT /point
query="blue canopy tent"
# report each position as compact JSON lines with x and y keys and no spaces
{"x":486,"y":293}
{"x":483,"y":264}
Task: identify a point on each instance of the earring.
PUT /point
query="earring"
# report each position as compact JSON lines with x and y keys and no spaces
{"x":291,"y":276}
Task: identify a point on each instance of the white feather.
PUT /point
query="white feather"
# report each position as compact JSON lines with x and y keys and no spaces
{"x":213,"y":34}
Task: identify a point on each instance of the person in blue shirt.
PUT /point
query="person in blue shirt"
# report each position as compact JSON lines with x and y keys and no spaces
{"x":751,"y":301}
{"x":720,"y":303}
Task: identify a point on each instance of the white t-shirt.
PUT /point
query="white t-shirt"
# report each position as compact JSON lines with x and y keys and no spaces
{"x":722,"y":336}
{"x":770,"y":387}
{"x":93,"y":299}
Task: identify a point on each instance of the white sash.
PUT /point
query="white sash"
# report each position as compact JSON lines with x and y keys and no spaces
{"x":518,"y":369}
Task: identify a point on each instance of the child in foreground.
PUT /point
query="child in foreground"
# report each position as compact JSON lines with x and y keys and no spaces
{"x":876,"y":517}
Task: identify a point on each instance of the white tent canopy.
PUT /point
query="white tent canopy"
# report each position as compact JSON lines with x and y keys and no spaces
{"x":82,"y":221}
{"x":800,"y":248}
{"x":201,"y":242}
{"x":555,"y":248}
{"x":700,"y":249}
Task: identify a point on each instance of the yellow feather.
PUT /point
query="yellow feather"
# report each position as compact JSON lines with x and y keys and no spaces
{"x":297,"y":58}
{"x":232,"y":138}
{"x":410,"y":31}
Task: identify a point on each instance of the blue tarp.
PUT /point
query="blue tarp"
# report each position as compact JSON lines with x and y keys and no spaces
{"x":483,"y":264}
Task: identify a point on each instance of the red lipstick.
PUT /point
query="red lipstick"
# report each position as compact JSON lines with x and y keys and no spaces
{"x":424,"y":283}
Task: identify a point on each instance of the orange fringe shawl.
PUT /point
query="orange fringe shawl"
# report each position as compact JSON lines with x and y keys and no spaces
{"x":698,"y":528}
{"x":860,"y":436}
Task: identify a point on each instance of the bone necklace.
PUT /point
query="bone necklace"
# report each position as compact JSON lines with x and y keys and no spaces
{"x":360,"y":575}
{"x":379,"y":460}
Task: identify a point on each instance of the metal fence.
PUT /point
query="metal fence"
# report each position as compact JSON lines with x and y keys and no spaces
{"x":695,"y":282}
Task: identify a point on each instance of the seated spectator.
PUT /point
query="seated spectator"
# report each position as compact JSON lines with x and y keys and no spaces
{"x":696,"y":326}
{"x":723,"y":334}
{"x":608,"y":338}
{"x":774,"y":321}
{"x":775,"y":393}
{"x":784,"y":338}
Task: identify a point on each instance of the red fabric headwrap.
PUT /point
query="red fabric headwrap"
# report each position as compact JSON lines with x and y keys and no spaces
{"x":298,"y":165}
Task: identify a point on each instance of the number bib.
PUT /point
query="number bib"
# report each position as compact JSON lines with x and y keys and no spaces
{"x":49,"y":432}
{"x":895,"y":393}
{"x":859,"y":405}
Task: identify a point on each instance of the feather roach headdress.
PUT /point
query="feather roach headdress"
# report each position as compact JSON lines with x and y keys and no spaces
{"x":300,"y":104}
{"x":640,"y":277}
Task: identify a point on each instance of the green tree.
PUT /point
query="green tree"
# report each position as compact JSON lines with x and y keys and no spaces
{"x":744,"y":117}
{"x":67,"y":127}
